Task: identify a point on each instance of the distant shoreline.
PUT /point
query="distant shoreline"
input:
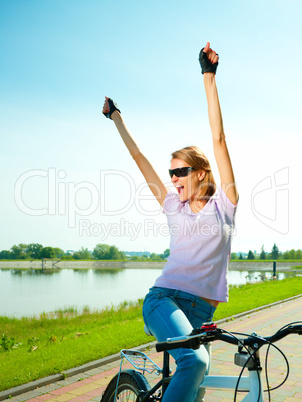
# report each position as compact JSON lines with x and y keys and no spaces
{"x":98,"y":264}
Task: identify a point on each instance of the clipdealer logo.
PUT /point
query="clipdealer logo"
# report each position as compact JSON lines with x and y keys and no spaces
{"x":63,"y":197}
{"x":273,"y":191}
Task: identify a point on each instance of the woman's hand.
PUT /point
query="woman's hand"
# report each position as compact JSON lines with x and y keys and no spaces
{"x":208,"y":59}
{"x":109,"y":107}
{"x":106,"y":107}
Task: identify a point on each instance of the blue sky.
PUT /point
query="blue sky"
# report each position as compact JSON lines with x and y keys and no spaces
{"x":66,"y":178}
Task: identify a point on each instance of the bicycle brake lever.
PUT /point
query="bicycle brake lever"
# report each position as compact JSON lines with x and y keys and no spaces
{"x":205,"y":328}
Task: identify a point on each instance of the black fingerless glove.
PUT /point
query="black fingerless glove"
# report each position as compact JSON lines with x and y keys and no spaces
{"x":112,"y":108}
{"x":205,"y":64}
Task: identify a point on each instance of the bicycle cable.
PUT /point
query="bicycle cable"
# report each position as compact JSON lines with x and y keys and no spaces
{"x":251,"y":356}
{"x":268,"y":390}
{"x":266,"y":367}
{"x":286,"y":361}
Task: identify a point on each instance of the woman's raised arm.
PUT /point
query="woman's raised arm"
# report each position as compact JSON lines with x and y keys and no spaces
{"x":153,"y":180}
{"x":209,"y":61}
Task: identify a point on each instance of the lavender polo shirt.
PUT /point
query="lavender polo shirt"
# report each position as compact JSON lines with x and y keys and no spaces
{"x":200,"y":246}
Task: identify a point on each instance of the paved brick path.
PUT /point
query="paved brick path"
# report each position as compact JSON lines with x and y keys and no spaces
{"x":89,"y":386}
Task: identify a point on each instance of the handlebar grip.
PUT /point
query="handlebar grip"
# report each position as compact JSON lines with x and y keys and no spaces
{"x":186,"y":344}
{"x":163,"y":346}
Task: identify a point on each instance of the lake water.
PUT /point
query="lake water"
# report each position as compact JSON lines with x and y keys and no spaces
{"x":30,"y":292}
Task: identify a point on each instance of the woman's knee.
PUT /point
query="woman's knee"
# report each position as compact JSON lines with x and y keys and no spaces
{"x":194,"y":360}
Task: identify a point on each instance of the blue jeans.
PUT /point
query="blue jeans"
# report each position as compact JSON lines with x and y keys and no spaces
{"x":168,"y":313}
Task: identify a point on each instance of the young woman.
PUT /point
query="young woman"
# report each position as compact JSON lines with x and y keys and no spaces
{"x":201,"y":221}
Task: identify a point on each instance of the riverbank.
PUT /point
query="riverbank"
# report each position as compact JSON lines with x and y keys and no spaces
{"x":282,"y":266}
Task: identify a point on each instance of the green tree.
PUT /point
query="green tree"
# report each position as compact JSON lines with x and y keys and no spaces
{"x":115,"y":254}
{"x":59,"y":253}
{"x":34,"y":250}
{"x":292,"y":254}
{"x":48,"y":252}
{"x":166,"y":253}
{"x":250,"y":255}
{"x":233,"y":256}
{"x":262,"y":253}
{"x":19,"y":252}
{"x":240,"y":257}
{"x":135,"y":258}
{"x":155,"y":257}
{"x":101,"y":251}
{"x":82,"y":254}
{"x":5,"y":255}
{"x":67,"y":257}
{"x":275,"y":252}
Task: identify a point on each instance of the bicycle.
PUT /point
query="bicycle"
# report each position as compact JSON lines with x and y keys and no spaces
{"x":132,"y":385}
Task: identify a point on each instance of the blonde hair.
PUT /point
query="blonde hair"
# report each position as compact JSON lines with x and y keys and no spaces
{"x":194,"y":157}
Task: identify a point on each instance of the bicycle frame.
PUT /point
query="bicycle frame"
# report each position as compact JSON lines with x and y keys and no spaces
{"x":251,"y":383}
{"x":248,"y":356}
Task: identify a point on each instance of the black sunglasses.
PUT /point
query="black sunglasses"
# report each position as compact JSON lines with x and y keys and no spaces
{"x":180,"y":172}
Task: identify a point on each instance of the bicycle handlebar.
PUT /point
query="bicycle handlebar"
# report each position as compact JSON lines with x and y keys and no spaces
{"x":209,"y":333}
{"x":292,"y":329}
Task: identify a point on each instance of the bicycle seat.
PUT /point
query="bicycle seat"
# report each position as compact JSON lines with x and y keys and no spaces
{"x":147,"y":331}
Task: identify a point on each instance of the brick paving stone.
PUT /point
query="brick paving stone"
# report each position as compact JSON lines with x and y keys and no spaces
{"x":99,"y":376}
{"x":63,"y":398}
{"x":33,"y":400}
{"x":215,"y":399}
{"x":277,"y":398}
{"x":84,"y":390}
{"x":104,"y":381}
{"x":44,"y":397}
{"x":96,"y":392}
{"x":82,"y":398}
{"x":71,"y":387}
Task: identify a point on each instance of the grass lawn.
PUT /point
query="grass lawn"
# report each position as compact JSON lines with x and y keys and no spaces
{"x":31,"y":348}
